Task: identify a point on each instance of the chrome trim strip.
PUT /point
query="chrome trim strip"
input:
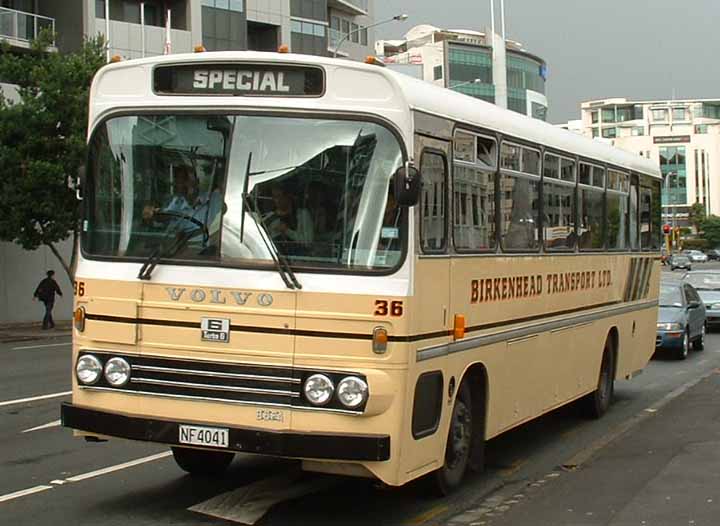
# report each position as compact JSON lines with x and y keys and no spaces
{"x":229,"y":388}
{"x":219,"y":400}
{"x":437,"y":351}
{"x":214,"y":374}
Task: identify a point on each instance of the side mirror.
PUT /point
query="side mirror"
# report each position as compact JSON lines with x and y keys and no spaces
{"x":694,"y":304}
{"x":80,"y":183}
{"x":407,"y":185}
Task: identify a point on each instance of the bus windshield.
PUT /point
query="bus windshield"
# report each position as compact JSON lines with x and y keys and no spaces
{"x":318,"y":188}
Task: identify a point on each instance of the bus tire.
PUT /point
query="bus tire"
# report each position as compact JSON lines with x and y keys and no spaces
{"x":459,"y":444}
{"x":202,"y":463}
{"x":596,"y":404}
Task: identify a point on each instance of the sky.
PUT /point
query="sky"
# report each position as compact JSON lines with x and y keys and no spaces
{"x":595,"y":49}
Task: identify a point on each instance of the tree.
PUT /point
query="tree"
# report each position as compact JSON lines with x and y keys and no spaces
{"x":42,"y":143}
{"x":711,"y":231}
{"x":697,"y":215}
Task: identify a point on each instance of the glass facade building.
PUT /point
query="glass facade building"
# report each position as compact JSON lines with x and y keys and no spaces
{"x":674,"y":171}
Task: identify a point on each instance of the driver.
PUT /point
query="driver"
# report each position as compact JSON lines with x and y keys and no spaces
{"x":184,"y":193}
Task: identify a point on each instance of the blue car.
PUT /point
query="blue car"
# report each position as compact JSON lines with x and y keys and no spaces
{"x":681,"y":319}
{"x":707,"y":285}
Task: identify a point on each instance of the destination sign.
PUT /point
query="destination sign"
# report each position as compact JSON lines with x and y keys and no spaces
{"x":242,"y":79}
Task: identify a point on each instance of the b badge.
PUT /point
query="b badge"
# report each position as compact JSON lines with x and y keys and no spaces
{"x":215,"y":330}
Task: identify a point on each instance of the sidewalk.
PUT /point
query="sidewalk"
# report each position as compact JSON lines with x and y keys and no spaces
{"x":20,"y":332}
{"x":663,"y":472}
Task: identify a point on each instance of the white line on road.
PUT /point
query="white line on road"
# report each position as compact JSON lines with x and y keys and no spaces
{"x":34,"y":398}
{"x":118,"y":467}
{"x":22,"y":493}
{"x":54,"y":423}
{"x":40,"y":346}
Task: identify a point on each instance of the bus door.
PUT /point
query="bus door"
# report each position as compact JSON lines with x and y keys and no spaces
{"x":430,"y":315}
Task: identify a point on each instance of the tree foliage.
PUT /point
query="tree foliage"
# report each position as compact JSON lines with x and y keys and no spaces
{"x":711,"y":231}
{"x":42,"y":143}
{"x":697,"y":215}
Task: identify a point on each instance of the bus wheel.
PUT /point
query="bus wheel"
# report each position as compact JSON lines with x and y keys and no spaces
{"x":597,"y":403}
{"x":202,"y":463}
{"x":459,"y":443}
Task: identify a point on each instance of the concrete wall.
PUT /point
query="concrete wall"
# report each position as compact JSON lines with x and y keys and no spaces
{"x":20,"y":272}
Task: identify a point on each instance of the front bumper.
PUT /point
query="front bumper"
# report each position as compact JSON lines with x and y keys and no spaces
{"x":669,"y":340}
{"x":246,"y":440}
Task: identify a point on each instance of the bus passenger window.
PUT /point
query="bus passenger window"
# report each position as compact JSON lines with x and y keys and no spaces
{"x":645,"y":209}
{"x":474,"y":195}
{"x":591,"y":207}
{"x":617,"y":209}
{"x":655,"y":219}
{"x":432,"y":202}
{"x":520,"y":193}
{"x":559,"y":203}
{"x":633,"y":215}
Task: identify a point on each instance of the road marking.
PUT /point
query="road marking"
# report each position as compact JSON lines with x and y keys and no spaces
{"x":22,"y":493}
{"x":54,"y":423}
{"x":118,"y":467}
{"x":428,"y":515}
{"x":34,"y":398}
{"x":40,"y":346}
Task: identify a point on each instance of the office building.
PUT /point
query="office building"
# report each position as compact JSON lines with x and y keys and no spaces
{"x":683,"y":136}
{"x":470,"y":62}
{"x":138,"y":28}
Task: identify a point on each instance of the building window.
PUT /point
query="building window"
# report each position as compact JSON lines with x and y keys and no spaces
{"x":673,"y":166}
{"x":525,"y":74}
{"x":539,"y":111}
{"x":609,"y":133}
{"x":468,"y":63}
{"x":608,"y":114}
{"x":229,"y":5}
{"x":594,"y":116}
{"x":437,"y":72}
{"x":355,"y":33}
{"x":595,"y":132}
{"x":701,"y":128}
{"x":364,"y":36}
{"x":637,"y":131}
{"x":308,"y":37}
{"x":660,"y":115}
{"x":309,"y":9}
{"x":679,"y":114}
{"x":346,"y":26}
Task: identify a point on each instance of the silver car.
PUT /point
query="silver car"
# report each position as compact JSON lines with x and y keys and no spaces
{"x":707,"y":284}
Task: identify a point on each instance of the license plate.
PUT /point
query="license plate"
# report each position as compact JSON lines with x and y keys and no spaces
{"x":203,"y":436}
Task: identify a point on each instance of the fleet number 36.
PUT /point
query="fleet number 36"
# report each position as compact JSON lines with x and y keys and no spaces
{"x":384,"y":307}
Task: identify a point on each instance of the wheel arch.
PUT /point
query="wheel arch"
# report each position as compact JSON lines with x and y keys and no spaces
{"x":477,"y":377}
{"x":614,"y":337}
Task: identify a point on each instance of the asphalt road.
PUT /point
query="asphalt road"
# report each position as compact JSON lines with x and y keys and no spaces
{"x":49,"y":477}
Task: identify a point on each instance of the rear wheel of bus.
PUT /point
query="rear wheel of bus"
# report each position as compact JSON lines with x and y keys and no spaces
{"x":597,"y":403}
{"x":202,"y":463}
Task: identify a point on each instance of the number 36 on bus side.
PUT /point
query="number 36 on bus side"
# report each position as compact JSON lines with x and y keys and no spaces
{"x":385,"y":308}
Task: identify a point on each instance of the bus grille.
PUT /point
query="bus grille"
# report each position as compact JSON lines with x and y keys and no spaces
{"x":210,"y":381}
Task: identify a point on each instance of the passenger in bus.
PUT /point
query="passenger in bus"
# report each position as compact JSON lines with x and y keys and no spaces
{"x":323,"y":211}
{"x":290,"y":226}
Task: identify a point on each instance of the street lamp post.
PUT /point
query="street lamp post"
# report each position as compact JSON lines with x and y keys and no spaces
{"x":398,"y":18}
{"x":473,"y":81}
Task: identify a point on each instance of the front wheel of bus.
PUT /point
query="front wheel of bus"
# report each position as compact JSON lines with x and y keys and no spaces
{"x":598,"y":402}
{"x":202,"y":463}
{"x":459,"y":443}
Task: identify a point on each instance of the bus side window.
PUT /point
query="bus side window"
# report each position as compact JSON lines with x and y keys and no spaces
{"x":645,"y":213}
{"x":433,"y":202}
{"x":633,"y":214}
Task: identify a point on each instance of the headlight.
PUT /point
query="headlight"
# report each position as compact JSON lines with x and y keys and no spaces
{"x":117,"y":372}
{"x":88,"y":369}
{"x":352,"y":392}
{"x":318,"y":389}
{"x":669,"y":326}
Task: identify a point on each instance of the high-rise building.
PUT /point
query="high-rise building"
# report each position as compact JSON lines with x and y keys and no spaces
{"x":137,"y":28}
{"x":683,"y":136}
{"x":478,"y":64}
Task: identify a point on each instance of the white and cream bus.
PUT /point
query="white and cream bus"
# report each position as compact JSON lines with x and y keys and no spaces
{"x":324,"y":260}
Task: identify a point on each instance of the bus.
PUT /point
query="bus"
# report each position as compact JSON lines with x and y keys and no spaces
{"x":328,"y":261}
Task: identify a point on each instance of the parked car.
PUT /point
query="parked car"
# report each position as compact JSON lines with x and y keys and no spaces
{"x":713,"y":254}
{"x":681,"y":319}
{"x":680,"y":261}
{"x":696,"y":256}
{"x":707,"y":285}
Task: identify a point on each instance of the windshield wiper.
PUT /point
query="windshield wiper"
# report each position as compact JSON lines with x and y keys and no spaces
{"x":163,"y":251}
{"x":279,"y":260}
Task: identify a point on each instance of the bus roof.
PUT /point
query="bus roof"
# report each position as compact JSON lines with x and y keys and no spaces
{"x":407,"y":91}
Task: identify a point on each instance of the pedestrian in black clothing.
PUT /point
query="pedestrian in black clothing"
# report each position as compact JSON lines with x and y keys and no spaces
{"x":45,"y":292}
